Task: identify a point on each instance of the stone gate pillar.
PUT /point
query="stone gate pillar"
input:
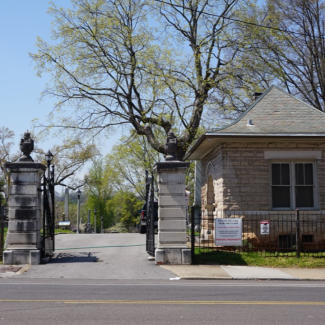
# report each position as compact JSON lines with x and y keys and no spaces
{"x":24,"y":209}
{"x":172,"y":240}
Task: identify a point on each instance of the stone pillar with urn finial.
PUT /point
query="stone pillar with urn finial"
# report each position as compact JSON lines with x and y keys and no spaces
{"x":23,"y":243}
{"x":172,"y":242}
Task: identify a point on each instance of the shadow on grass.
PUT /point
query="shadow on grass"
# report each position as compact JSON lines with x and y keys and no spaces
{"x":256,"y":259}
{"x":218,"y":258}
{"x":83,"y":257}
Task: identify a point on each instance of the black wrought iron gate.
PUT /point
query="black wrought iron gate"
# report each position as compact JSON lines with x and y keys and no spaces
{"x":48,"y":228}
{"x":150,"y":237}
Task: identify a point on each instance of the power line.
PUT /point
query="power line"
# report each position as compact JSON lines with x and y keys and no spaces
{"x":240,"y":21}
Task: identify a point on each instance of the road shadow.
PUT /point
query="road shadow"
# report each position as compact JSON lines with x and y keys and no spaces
{"x":80,"y":257}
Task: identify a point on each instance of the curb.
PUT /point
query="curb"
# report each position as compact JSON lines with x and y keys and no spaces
{"x":250,"y":279}
{"x":24,"y":269}
{"x":8,"y":272}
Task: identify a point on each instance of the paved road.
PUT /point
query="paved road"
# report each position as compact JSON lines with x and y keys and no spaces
{"x":54,"y":301}
{"x":99,"y":256}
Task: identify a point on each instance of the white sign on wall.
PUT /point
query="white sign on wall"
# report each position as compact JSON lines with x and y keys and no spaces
{"x":228,"y":232}
{"x":265,"y":227}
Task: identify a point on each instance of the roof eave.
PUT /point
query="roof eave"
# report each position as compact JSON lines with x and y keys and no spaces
{"x":228,"y":134}
{"x":190,"y":155}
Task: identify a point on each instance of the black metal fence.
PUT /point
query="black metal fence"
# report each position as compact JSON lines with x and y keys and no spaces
{"x":2,"y":225}
{"x":48,"y":231}
{"x":273,"y":234}
{"x":3,"y":222}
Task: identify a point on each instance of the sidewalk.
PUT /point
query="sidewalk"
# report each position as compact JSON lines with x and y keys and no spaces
{"x":222,"y":272}
{"x":210,"y":272}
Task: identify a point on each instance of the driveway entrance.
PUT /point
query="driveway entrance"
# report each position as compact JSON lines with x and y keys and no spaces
{"x":99,"y":256}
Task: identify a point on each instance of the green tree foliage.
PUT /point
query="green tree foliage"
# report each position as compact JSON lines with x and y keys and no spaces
{"x":113,"y":183}
{"x":99,"y":190}
{"x":124,"y":206}
{"x":153,"y":65}
{"x":291,"y":47}
{"x":128,"y":162}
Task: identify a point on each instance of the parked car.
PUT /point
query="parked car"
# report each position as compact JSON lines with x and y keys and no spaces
{"x":142,"y":227}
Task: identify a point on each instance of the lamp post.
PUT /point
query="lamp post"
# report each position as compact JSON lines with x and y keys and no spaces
{"x":49,"y":216}
{"x":49,"y":158}
{"x":78,"y":210}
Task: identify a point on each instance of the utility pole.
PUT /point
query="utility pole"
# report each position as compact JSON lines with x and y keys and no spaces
{"x":102,"y":224}
{"x":66,"y":204}
{"x":95,"y":221}
{"x":88,"y":223}
{"x":78,"y":210}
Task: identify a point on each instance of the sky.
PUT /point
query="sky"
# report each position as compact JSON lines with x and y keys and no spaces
{"x":21,"y":21}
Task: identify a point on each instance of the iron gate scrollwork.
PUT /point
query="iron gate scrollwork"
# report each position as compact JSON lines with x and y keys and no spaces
{"x":150,"y":236}
{"x":47,"y":239}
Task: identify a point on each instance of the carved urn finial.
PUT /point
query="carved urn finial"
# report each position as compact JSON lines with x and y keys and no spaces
{"x":171,"y":147}
{"x":26,"y":147}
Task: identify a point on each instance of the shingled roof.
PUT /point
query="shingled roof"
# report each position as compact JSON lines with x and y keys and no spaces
{"x":274,"y":114}
{"x":275,"y":111}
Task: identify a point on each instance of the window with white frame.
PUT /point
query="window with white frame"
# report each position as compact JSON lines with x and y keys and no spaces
{"x":293,"y":185}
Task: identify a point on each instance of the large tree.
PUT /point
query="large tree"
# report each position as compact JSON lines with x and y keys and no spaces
{"x":288,"y":47}
{"x":68,"y":159}
{"x":153,"y":65}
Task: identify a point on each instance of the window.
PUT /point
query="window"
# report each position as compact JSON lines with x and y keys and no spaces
{"x":293,"y":185}
{"x":287,"y":241}
{"x":307,"y":238}
{"x":304,"y":186}
{"x":280,"y":185}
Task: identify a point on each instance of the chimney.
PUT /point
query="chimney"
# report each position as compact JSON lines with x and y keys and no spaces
{"x":257,"y":95}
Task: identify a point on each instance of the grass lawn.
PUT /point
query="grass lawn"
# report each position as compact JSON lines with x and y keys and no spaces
{"x":257,"y":259}
{"x":63,"y":231}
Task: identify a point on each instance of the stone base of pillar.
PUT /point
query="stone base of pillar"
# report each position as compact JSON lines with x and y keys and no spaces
{"x":21,"y":256}
{"x":173,"y":256}
{"x":23,"y":242}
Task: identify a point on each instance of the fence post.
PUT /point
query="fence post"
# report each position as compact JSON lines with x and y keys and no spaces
{"x":192,"y":233}
{"x":1,"y":225}
{"x":297,"y":234}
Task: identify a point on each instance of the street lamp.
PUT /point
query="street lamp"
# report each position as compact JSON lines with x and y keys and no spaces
{"x":49,"y":158}
{"x":78,"y":210}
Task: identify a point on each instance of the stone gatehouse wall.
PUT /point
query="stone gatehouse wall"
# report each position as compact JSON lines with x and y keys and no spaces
{"x":237,"y":177}
{"x":241,"y":176}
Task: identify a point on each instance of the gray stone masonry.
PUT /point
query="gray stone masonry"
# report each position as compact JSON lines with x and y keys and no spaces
{"x":24,"y":209}
{"x":172,"y":242}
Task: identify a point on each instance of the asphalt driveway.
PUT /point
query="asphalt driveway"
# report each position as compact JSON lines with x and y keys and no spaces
{"x":99,"y":256}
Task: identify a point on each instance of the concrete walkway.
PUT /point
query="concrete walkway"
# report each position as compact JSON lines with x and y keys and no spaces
{"x":173,"y":272}
{"x":222,"y":272}
{"x":95,"y":256}
{"x":122,"y":256}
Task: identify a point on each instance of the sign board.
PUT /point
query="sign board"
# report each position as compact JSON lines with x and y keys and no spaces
{"x":64,"y":223}
{"x":265,"y":227}
{"x":228,"y":231}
